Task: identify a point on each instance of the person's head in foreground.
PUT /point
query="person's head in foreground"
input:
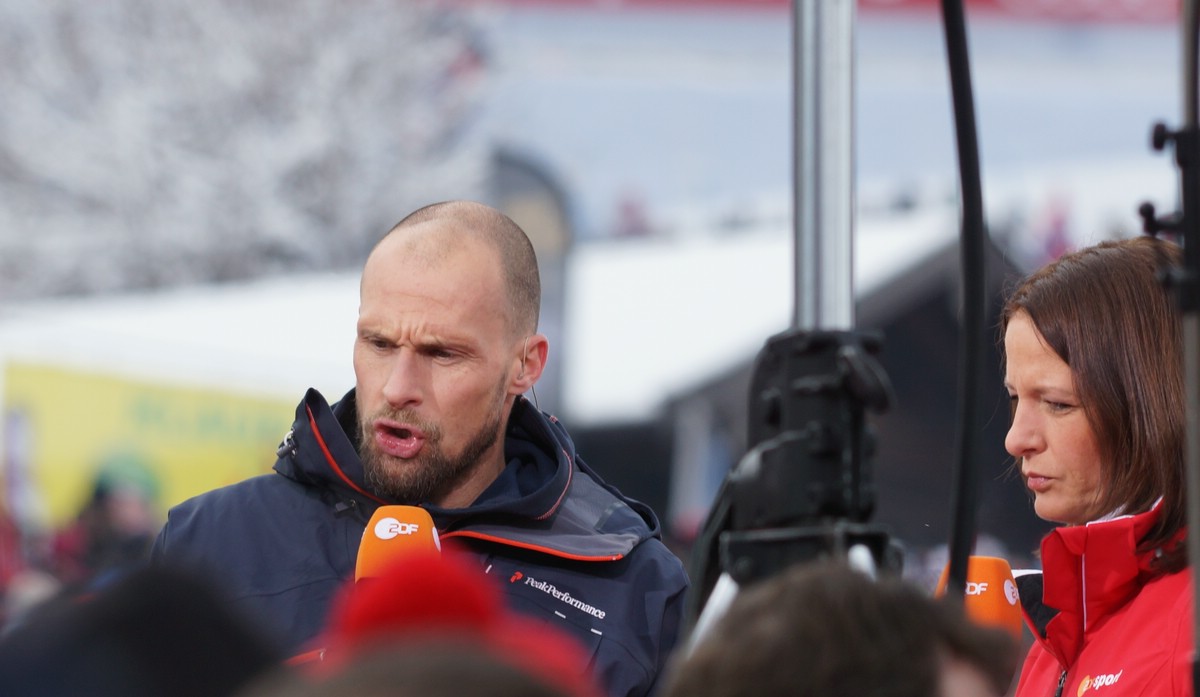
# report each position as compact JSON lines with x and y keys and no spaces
{"x":431,"y":625}
{"x":824,"y":630}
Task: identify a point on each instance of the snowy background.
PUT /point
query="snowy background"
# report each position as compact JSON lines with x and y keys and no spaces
{"x":147,"y":144}
{"x":187,"y":191}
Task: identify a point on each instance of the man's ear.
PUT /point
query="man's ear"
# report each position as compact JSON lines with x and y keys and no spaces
{"x":531,"y":361}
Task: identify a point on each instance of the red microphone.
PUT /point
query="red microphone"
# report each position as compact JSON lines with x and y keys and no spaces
{"x":991,"y":597}
{"x":393,"y":533}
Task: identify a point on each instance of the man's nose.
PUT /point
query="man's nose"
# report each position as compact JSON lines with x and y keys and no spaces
{"x":404,"y":386}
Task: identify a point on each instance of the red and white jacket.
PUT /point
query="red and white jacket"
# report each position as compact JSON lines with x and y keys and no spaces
{"x":1105,"y":624}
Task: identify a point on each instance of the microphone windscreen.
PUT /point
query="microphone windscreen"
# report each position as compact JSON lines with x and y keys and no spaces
{"x":991,"y":597}
{"x":392,"y":533}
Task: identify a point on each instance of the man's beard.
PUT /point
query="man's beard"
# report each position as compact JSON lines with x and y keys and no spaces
{"x":433,"y":473}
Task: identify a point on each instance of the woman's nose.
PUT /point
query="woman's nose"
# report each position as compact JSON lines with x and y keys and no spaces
{"x":1023,"y":438}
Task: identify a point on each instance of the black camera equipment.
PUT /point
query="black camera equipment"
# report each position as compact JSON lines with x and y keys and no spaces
{"x":804,"y":490}
{"x":1184,"y":225}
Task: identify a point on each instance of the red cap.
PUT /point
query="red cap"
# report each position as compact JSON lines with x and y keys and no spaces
{"x":427,"y":595}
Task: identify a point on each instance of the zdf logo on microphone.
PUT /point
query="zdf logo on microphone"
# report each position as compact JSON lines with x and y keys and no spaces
{"x":387,"y":528}
{"x":981,"y":587}
{"x":1011,"y":593}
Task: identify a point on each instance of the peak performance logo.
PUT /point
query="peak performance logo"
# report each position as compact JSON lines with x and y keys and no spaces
{"x":552,"y":591}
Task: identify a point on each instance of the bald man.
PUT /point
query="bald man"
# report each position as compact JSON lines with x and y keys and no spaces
{"x":447,"y":344}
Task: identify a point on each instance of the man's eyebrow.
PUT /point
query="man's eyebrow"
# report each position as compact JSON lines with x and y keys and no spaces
{"x":434,"y":341}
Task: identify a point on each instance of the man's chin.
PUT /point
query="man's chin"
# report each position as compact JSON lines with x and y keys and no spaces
{"x":393,"y":477}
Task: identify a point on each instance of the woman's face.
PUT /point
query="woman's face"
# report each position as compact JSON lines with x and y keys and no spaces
{"x":1050,"y":433}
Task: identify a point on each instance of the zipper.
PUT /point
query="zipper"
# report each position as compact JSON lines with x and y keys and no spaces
{"x":346,"y":506}
{"x":1062,"y":680}
{"x":288,"y":447}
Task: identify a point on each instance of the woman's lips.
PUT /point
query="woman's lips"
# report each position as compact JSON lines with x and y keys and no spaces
{"x":399,"y":440}
{"x":1037,"y":482}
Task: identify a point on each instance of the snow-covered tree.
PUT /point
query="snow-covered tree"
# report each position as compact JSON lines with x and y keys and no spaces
{"x":147,"y":143}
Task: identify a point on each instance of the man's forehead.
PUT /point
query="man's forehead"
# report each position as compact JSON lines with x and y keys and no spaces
{"x":456,"y":281}
{"x":435,"y":241}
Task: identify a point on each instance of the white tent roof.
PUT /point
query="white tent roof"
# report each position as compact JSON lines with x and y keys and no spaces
{"x":275,"y":337}
{"x":648,"y":320}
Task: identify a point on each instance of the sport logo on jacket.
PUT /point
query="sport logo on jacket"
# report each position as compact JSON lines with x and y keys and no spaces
{"x":563,"y":596}
{"x":1090,"y":683}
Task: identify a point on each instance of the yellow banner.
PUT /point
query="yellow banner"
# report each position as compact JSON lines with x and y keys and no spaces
{"x":63,"y":428}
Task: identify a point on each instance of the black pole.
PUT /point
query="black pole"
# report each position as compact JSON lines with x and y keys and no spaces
{"x":1186,"y":280}
{"x":1187,"y":156}
{"x":972,"y":347}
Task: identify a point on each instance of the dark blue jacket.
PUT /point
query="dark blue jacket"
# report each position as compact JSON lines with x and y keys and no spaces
{"x":563,"y":545}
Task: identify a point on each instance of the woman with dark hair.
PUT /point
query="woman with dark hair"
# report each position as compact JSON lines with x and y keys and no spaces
{"x":1093,"y":367}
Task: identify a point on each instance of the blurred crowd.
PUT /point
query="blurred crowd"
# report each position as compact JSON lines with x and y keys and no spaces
{"x":108,"y":536}
{"x":431,"y":626}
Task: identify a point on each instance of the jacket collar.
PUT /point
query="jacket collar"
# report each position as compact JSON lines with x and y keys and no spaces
{"x":543,"y":452}
{"x":1090,"y":571}
{"x":322,"y":448}
{"x":594,"y":523}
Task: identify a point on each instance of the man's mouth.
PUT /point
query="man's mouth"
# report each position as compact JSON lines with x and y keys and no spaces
{"x":404,"y":442}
